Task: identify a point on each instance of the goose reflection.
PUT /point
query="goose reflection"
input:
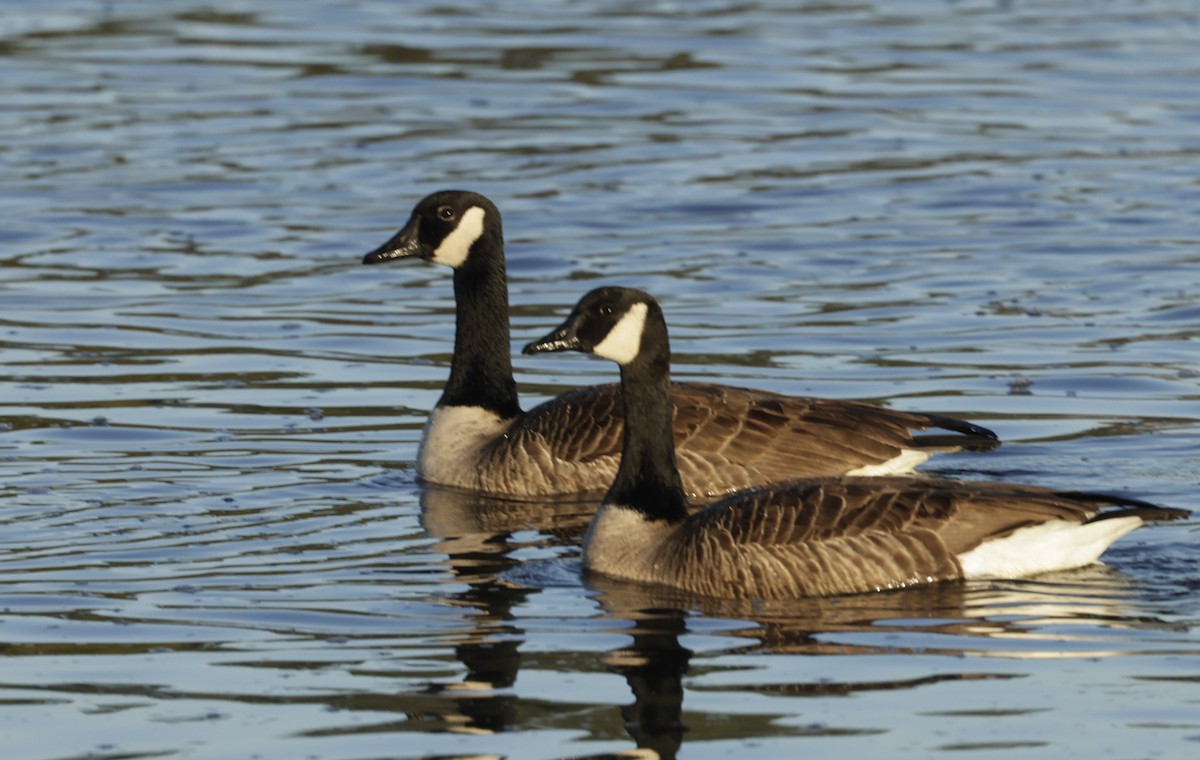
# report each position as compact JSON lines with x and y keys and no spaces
{"x":654,"y":665}
{"x":1074,"y":614}
{"x":453,"y":514}
{"x":476,"y":533}
{"x":1069,"y":614}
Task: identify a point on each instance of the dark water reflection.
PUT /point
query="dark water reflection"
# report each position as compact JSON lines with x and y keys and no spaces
{"x":211,"y":541}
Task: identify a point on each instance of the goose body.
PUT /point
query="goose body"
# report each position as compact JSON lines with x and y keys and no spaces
{"x":812,"y":537}
{"x":728,"y":438}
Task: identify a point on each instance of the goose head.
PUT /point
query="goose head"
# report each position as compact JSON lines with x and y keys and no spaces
{"x":447,"y":227}
{"x":611,"y":323}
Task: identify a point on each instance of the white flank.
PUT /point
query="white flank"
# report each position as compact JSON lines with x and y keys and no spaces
{"x":454,"y":440}
{"x":624,"y":341}
{"x":1055,"y":545}
{"x":457,"y":246}
{"x":904,"y":462}
{"x":622,"y":543}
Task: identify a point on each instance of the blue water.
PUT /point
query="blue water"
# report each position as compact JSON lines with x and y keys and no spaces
{"x":212,"y":544}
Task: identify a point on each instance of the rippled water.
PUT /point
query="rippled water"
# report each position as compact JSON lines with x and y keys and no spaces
{"x":211,"y":542}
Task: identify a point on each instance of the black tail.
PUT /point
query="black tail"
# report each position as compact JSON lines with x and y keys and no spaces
{"x":1133,"y":507}
{"x":971,"y":437}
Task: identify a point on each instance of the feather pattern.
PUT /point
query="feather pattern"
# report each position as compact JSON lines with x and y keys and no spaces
{"x":727,"y":439}
{"x":851,"y":535}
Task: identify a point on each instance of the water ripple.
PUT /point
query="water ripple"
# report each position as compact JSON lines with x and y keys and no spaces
{"x":209,"y":410}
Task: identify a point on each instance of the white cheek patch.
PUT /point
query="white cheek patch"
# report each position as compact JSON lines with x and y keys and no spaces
{"x":625,"y":339}
{"x":457,"y":246}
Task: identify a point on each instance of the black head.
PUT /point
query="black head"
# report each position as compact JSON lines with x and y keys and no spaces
{"x":608,"y":322}
{"x":443,"y":229}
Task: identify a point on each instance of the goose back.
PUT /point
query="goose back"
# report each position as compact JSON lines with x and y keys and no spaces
{"x":726,"y":439}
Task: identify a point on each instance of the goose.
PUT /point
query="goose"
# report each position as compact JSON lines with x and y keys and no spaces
{"x":728,"y":438}
{"x":813,"y":537}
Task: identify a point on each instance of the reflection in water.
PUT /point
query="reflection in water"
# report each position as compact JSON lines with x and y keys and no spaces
{"x":475,"y":532}
{"x":1086,"y":608}
{"x":1080,"y":614}
{"x":451,"y":513}
{"x":490,"y":651}
{"x":654,"y":665}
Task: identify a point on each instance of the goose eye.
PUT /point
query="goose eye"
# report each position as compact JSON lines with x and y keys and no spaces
{"x":445,"y":213}
{"x":606,"y":309}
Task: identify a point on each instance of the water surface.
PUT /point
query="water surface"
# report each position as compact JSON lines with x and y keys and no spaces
{"x":212,"y":543}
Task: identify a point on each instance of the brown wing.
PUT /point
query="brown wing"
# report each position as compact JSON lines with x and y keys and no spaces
{"x":571,"y":444}
{"x":963,"y":514}
{"x":849,"y":535}
{"x":732,"y":438}
{"x":726,"y":439}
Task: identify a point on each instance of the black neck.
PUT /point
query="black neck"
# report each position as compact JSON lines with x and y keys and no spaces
{"x":481,"y":372}
{"x":648,"y":479}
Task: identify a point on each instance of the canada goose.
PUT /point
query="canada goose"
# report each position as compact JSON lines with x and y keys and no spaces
{"x":814,"y":537}
{"x":728,"y":438}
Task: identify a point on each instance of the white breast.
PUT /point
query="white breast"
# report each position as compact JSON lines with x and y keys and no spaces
{"x":622,"y":543}
{"x":454,"y":440}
